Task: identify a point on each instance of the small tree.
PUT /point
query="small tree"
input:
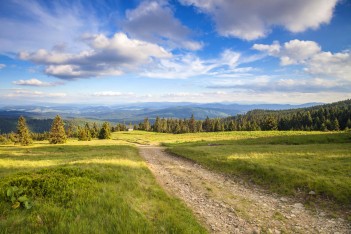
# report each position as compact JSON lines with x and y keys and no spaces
{"x":23,"y":133}
{"x":105,"y":131}
{"x":57,"y":132}
{"x":146,"y":124}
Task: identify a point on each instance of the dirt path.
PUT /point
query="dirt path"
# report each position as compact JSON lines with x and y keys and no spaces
{"x":227,"y":206}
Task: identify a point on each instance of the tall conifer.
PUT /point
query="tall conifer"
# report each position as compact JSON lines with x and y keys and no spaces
{"x":23,"y":133}
{"x":57,"y":133}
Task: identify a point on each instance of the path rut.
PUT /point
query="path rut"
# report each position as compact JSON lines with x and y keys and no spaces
{"x":228,"y":206}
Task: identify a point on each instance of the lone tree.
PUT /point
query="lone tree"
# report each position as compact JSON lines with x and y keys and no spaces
{"x":23,"y":133}
{"x":105,"y":131}
{"x":57,"y":132}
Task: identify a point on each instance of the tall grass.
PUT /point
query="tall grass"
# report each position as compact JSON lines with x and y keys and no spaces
{"x":93,"y":187}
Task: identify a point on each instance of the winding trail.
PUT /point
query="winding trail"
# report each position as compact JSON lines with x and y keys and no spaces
{"x":227,"y":206}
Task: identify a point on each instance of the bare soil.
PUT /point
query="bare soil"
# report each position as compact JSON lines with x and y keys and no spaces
{"x":225,"y":205}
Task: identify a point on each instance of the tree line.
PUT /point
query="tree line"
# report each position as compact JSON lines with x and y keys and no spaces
{"x":329,"y":117}
{"x":57,"y":134}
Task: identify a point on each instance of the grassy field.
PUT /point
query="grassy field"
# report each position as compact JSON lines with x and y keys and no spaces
{"x":153,"y":138}
{"x":284,"y":162}
{"x":87,"y":187}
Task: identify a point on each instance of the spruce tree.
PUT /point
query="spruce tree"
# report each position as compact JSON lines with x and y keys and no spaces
{"x":146,"y":124}
{"x":105,"y":132}
{"x":23,"y":133}
{"x":57,"y":132}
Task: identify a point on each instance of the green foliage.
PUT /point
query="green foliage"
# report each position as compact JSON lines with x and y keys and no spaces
{"x":330,"y":117}
{"x":17,"y":197}
{"x":90,"y":187}
{"x":84,"y":134}
{"x":105,"y":131}
{"x":57,"y":132}
{"x":23,"y":133}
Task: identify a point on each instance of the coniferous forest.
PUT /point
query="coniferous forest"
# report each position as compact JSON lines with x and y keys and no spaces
{"x":329,"y":117}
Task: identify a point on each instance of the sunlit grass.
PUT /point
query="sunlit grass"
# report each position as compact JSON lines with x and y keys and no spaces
{"x":99,"y":186}
{"x":289,"y":163}
{"x":153,"y":138}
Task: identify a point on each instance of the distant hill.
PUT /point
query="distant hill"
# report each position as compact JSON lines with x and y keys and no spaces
{"x":334,"y":116}
{"x":39,"y":117}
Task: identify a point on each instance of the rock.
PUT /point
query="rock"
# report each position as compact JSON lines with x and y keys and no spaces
{"x":256,"y":230}
{"x":298,"y":206}
{"x":312,"y":193}
{"x":283,"y":199}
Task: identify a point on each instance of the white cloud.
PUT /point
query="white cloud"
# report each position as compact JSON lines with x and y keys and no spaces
{"x":112,"y":94}
{"x":23,"y":93}
{"x":154,"y":21}
{"x":284,"y":85}
{"x":45,"y":24}
{"x":35,"y":82}
{"x":106,"y":56}
{"x":189,"y":65}
{"x":254,"y":19}
{"x":2,"y":66}
{"x":310,"y":55}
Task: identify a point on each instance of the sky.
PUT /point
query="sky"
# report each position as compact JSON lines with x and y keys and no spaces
{"x":115,"y":51}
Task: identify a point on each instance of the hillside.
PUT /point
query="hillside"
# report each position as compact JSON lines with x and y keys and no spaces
{"x":39,"y":117}
{"x":334,"y":116}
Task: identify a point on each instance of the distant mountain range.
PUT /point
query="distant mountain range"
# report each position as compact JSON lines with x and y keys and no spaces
{"x":136,"y":112}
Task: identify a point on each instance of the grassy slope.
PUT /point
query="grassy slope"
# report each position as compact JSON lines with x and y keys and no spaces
{"x":87,"y":187}
{"x":291,"y":162}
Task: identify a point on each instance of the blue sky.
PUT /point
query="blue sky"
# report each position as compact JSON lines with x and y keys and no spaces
{"x":109,"y":52}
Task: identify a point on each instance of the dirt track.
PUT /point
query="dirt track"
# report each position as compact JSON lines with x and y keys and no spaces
{"x":227,"y":206}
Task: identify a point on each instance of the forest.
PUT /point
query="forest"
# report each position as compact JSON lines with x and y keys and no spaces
{"x":329,"y":117}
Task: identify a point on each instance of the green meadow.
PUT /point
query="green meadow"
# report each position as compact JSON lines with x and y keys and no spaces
{"x":87,"y":187}
{"x":104,"y":186}
{"x":289,"y":163}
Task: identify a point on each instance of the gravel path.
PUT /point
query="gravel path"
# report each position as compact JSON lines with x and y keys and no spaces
{"x":227,"y":206}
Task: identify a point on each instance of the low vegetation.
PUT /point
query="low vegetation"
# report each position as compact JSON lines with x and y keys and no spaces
{"x":293,"y":163}
{"x":85,"y":187}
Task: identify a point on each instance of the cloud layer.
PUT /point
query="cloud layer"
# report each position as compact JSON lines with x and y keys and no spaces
{"x":36,"y":82}
{"x":106,"y":56}
{"x":251,"y":20}
{"x":154,"y":21}
{"x":309,"y":54}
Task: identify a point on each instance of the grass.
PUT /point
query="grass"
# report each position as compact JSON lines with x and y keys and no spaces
{"x":153,"y":138}
{"x":87,"y":187}
{"x":284,"y":162}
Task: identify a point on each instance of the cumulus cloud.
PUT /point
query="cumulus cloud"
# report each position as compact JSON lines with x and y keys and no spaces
{"x":310,"y":55}
{"x":105,"y":56}
{"x":154,"y":21}
{"x":251,"y":20}
{"x":35,"y":82}
{"x":2,"y":66}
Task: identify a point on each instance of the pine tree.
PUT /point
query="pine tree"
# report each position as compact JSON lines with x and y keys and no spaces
{"x":105,"y":132}
{"x":57,"y":132}
{"x":23,"y":133}
{"x":192,"y":124}
{"x":146,"y":124}
{"x":94,"y":131}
